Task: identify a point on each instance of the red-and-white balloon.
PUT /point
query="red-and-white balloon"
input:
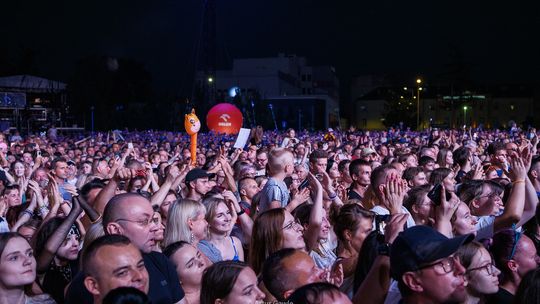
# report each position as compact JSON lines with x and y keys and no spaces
{"x":224,"y":118}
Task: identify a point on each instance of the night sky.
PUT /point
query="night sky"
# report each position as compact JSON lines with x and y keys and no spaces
{"x":498,"y":41}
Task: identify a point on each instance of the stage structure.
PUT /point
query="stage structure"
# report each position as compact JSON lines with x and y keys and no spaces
{"x":30,"y":103}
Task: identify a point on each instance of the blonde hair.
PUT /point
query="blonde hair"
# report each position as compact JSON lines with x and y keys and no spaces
{"x":177,"y":228}
{"x":278,"y":159}
{"x":211,"y":203}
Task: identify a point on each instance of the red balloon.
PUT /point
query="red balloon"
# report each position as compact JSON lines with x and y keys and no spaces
{"x":224,"y":118}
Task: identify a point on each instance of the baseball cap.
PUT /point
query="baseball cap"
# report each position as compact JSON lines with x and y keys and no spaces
{"x":421,"y":245}
{"x":367,"y":152}
{"x":196,"y":174}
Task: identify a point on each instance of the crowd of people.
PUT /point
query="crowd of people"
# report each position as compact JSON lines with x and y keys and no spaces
{"x":396,"y":216}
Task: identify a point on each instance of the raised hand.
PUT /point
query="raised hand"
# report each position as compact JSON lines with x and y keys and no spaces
{"x":517,"y":170}
{"x":336,"y":275}
{"x":124,"y":174}
{"x":447,"y":208}
{"x":395,"y":226}
{"x":3,"y":206}
{"x":394,"y":192}
{"x":478,"y":172}
{"x":526,"y":155}
{"x":75,"y":206}
{"x":301,"y":196}
{"x":71,"y":189}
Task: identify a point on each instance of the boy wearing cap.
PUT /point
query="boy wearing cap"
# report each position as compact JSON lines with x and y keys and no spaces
{"x":197,"y":184}
{"x":422,"y":261}
{"x":369,"y":155}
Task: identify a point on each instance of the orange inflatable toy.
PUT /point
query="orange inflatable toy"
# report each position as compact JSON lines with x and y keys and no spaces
{"x":193,"y":126}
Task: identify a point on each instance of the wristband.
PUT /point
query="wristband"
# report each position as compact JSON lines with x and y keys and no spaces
{"x":384,"y":249}
{"x":97,"y":220}
{"x":241,"y":212}
{"x":30,"y":213}
{"x":43,"y":210}
{"x":332,"y":196}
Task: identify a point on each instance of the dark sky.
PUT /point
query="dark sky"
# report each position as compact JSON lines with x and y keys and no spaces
{"x":498,"y":40}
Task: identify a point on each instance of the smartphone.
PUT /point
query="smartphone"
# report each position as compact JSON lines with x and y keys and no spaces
{"x":130,"y":145}
{"x":435,"y":194}
{"x":140,"y":173}
{"x":303,"y":185}
{"x":380,"y":221}
{"x":65,"y":195}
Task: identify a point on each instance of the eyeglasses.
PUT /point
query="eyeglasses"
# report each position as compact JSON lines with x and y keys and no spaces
{"x":142,"y":223}
{"x":144,"y":194}
{"x":490,"y":269}
{"x":293,"y":224}
{"x":492,"y":195}
{"x":517,"y":236}
{"x":447,"y":265}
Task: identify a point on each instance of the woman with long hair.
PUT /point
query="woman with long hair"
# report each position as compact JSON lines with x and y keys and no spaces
{"x":219,"y":244}
{"x":230,"y":282}
{"x":185,"y":222}
{"x":445,"y":158}
{"x":480,"y":272}
{"x":190,"y":264}
{"x":57,"y":245}
{"x":17,"y":270}
{"x":273,"y":230}
{"x":443,"y":176}
{"x":352,"y":225}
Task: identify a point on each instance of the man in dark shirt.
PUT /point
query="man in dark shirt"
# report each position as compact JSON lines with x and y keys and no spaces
{"x":130,"y":214}
{"x":360,"y":171}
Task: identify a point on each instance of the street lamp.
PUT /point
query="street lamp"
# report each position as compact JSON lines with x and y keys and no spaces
{"x":464,"y":115}
{"x":418,"y":81}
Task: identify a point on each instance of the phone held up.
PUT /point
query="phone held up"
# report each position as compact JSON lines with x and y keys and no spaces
{"x":435,"y":194}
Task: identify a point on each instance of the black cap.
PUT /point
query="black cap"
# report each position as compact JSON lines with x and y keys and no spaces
{"x":197,"y":173}
{"x":421,"y":245}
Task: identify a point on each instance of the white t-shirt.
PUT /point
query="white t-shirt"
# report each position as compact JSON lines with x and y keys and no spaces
{"x":485,"y":227}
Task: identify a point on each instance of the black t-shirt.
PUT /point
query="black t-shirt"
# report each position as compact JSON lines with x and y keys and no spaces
{"x":502,"y":296}
{"x":3,"y":177}
{"x":57,"y":278}
{"x":164,"y":286}
{"x":351,"y":194}
{"x":459,"y":176}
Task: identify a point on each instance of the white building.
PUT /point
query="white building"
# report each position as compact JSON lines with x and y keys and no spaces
{"x":284,"y":81}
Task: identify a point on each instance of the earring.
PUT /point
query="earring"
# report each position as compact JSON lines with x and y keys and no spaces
{"x":191,"y":238}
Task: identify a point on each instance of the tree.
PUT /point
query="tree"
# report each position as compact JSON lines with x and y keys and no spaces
{"x":118,"y":89}
{"x":399,"y":108}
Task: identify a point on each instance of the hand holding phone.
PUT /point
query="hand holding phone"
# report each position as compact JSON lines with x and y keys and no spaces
{"x":304,"y":184}
{"x":435,"y":194}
